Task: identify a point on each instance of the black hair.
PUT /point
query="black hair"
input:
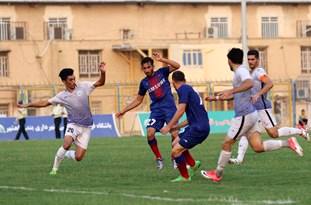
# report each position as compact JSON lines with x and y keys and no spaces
{"x":253,"y":53}
{"x":65,"y":72}
{"x":178,"y":76}
{"x":146,"y":60}
{"x":236,"y":55}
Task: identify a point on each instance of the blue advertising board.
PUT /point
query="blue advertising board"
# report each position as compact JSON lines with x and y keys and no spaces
{"x":42,"y":127}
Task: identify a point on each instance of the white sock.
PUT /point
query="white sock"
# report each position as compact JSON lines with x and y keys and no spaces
{"x":71,"y":155}
{"x":243,"y":145}
{"x":270,"y":145}
{"x":59,"y":157}
{"x":285,"y":131}
{"x":222,"y":162}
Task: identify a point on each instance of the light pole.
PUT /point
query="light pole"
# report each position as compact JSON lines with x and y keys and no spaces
{"x":244,"y":30}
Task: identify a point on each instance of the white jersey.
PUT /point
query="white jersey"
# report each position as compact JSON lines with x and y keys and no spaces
{"x":242,"y":100}
{"x":262,"y":103}
{"x":76,"y":103}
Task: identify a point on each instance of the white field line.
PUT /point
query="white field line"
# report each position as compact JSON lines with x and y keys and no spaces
{"x":227,"y":200}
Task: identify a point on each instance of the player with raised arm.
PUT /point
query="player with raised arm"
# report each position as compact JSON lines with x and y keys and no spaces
{"x":262,"y":85}
{"x":162,"y":105}
{"x":75,"y":98}
{"x":197,"y":129}
{"x":245,"y":122}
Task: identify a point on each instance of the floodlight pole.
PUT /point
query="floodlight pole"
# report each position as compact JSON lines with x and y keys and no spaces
{"x":244,"y":30}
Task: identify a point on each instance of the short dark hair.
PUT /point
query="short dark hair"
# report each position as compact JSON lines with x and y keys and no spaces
{"x":236,"y":55}
{"x":65,"y":72}
{"x":178,"y":76}
{"x":253,"y":53}
{"x":146,"y":60}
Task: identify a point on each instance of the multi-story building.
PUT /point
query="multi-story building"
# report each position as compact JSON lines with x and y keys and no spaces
{"x":38,"y":38}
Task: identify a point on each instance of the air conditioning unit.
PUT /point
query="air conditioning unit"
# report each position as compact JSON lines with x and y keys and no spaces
{"x":51,"y":32}
{"x":68,"y":34}
{"x":302,"y":93}
{"x":19,"y":33}
{"x":211,"y":32}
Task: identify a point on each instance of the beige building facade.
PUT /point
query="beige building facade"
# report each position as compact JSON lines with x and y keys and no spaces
{"x":37,"y":39}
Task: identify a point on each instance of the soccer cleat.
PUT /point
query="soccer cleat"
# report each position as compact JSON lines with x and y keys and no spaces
{"x":53,"y":172}
{"x":181,"y":179}
{"x":305,"y":134}
{"x":235,"y":161}
{"x":196,"y":166}
{"x":293,"y":145}
{"x":160,"y":164}
{"x":211,"y":175}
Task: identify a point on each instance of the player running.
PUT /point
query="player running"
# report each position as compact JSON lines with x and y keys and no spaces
{"x":262,"y":85}
{"x":75,"y":98}
{"x":195,"y":133}
{"x":245,"y":122}
{"x":162,"y":105}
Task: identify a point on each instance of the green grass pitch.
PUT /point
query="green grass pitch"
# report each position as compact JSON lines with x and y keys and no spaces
{"x":122,"y":171}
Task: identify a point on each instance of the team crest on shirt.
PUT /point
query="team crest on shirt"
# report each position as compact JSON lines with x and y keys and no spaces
{"x":79,"y":93}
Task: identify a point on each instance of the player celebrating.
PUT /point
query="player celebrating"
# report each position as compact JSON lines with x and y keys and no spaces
{"x":196,"y":132}
{"x":262,"y":85}
{"x":246,"y":118}
{"x":75,"y":98}
{"x":162,"y":106}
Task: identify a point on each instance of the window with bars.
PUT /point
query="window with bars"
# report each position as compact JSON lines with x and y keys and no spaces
{"x":192,"y":58}
{"x":5,"y":28}
{"x":269,"y":27}
{"x":263,"y":56}
{"x":220,"y":26}
{"x":96,"y":107}
{"x":4,"y":110}
{"x":57,"y":28}
{"x":306,"y":59}
{"x":89,"y":61}
{"x":4,"y":64}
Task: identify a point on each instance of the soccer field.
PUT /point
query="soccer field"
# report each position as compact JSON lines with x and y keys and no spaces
{"x":121,"y":171}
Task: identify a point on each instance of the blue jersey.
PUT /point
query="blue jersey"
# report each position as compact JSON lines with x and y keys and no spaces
{"x":159,"y":89}
{"x":195,"y":111}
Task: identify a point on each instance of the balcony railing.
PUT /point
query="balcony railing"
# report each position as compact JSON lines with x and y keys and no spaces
{"x":304,"y":29}
{"x":12,"y":30}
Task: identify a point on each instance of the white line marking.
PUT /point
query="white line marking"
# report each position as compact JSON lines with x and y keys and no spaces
{"x":228,"y":200}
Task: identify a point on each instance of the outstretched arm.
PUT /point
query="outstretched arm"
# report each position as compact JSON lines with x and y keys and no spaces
{"x":173,"y":65}
{"x":137,"y":101}
{"x":268,"y":85}
{"x":102,"y":78}
{"x":36,"y":104}
{"x":227,"y":94}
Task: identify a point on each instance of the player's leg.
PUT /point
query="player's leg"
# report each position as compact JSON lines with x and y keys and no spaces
{"x":81,"y":141}
{"x":269,"y":123}
{"x":60,"y":154}
{"x":57,"y":122}
{"x":242,"y":148}
{"x":177,"y":155}
{"x":270,"y":145}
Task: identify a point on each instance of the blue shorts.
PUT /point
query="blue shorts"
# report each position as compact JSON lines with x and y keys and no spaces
{"x":158,"y":119}
{"x":192,"y":137}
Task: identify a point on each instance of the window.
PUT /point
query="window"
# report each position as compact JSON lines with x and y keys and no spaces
{"x":262,"y":56}
{"x":57,"y":28}
{"x":4,"y":64}
{"x":89,"y":61}
{"x":96,"y":107}
{"x":306,"y":59}
{"x":269,"y":27}
{"x":4,"y":110}
{"x":126,"y":34}
{"x":220,"y":27}
{"x":192,"y":58}
{"x":5,"y":28}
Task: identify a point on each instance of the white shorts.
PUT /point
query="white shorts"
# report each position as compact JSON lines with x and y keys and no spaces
{"x":243,"y":125}
{"x":80,"y":135}
{"x":266,"y":118}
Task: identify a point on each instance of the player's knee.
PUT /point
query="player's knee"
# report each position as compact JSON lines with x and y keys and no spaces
{"x":273,"y":133}
{"x":258,"y":149}
{"x":79,"y":157}
{"x":66,"y":146}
